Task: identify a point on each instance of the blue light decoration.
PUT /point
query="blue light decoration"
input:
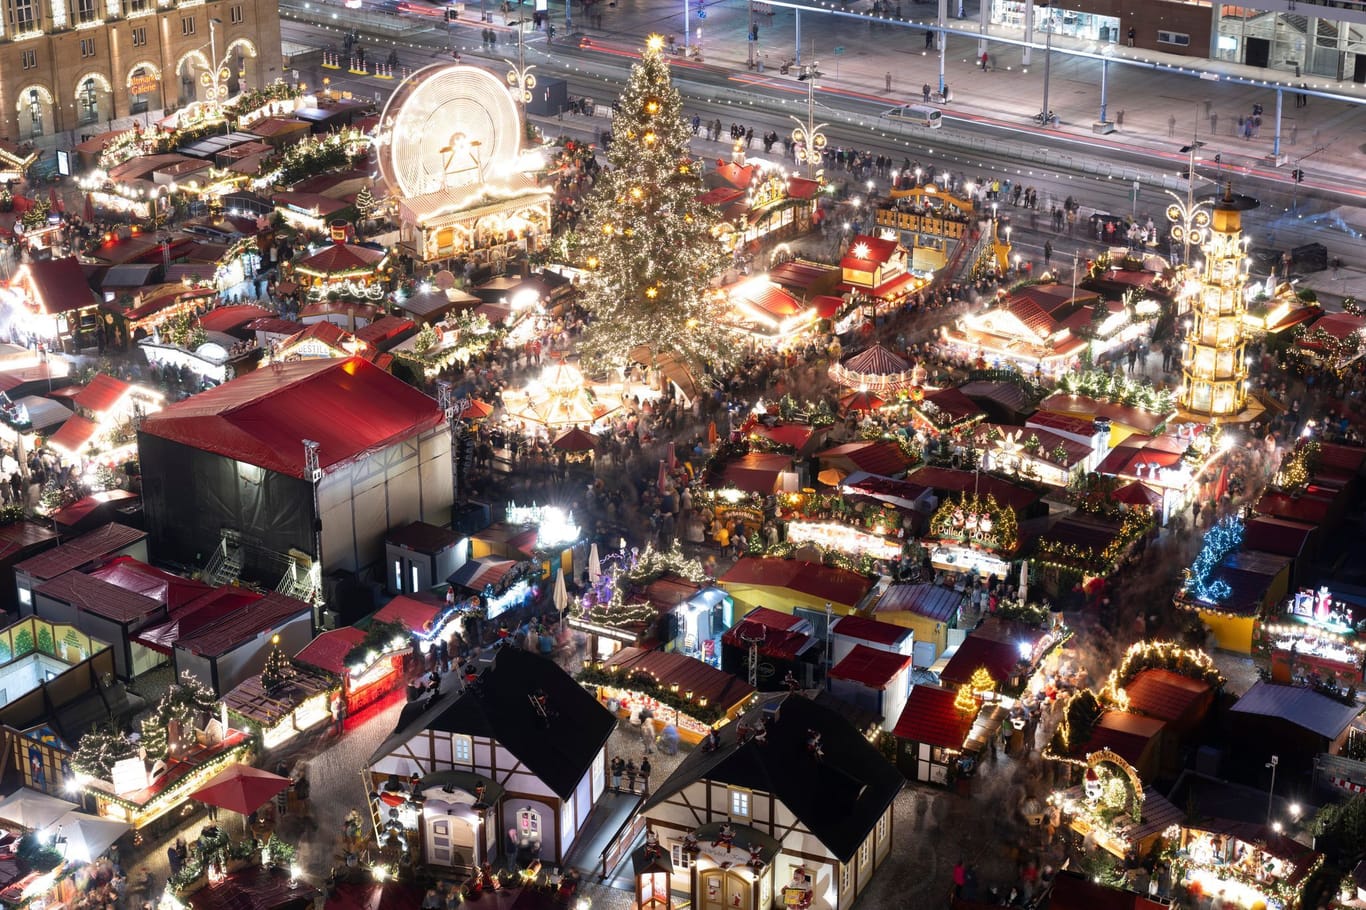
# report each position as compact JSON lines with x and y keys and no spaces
{"x":1225,"y":536}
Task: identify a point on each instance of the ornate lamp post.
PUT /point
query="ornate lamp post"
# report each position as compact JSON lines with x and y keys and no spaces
{"x":521,"y":80}
{"x":809,"y":136}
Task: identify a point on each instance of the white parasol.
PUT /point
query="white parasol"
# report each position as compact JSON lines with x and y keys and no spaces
{"x":560,"y":594}
{"x":594,"y":563}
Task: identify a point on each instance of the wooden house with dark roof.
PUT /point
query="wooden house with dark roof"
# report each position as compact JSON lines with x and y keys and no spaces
{"x":792,"y":797}
{"x":522,"y":748}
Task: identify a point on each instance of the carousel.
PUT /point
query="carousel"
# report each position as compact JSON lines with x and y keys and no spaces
{"x":450,"y":151}
{"x":343,"y":269}
{"x":878,"y":370}
{"x":562,"y":398}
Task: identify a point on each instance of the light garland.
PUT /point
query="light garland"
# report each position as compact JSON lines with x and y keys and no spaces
{"x":1223,"y":538}
{"x":977,"y":519}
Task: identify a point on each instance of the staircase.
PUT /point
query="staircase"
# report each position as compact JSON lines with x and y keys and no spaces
{"x":226,"y":563}
{"x":298,"y":582}
{"x":1297,"y":22}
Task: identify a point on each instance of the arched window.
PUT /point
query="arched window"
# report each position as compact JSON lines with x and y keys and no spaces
{"x":89,"y":97}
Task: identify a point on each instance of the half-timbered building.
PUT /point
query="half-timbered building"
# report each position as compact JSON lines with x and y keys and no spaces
{"x":510,"y":764}
{"x":790,"y":806}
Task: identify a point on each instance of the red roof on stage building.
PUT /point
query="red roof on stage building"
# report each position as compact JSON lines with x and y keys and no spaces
{"x":882,"y":633}
{"x":1163,"y":694}
{"x":739,"y":175}
{"x":871,"y":667}
{"x":1276,"y":535}
{"x":73,"y":435}
{"x":881,"y":457}
{"x":839,"y":586}
{"x":780,"y":640}
{"x":137,"y":576}
{"x":417,"y":615}
{"x":999,"y":657}
{"x":348,"y":406}
{"x":720,"y":196}
{"x":876,"y":252}
{"x":931,"y":717}
{"x":101,"y":394}
{"x":340,"y":258}
{"x":227,"y":318}
{"x":328,"y":651}
{"x":59,"y":285}
{"x":227,"y":631}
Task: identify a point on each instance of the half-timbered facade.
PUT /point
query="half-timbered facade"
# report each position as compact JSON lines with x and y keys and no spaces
{"x":792,"y":807}
{"x":511,"y":764}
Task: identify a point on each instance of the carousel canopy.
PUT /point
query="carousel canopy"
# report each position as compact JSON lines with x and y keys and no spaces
{"x":875,"y":369}
{"x":575,"y":440}
{"x":341,"y":259}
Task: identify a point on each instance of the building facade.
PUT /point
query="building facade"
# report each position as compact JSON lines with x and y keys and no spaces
{"x":74,"y":65}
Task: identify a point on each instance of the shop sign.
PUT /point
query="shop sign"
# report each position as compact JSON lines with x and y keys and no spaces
{"x":143,"y":85}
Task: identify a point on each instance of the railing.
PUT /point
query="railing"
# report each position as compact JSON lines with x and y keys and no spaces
{"x":621,"y":841}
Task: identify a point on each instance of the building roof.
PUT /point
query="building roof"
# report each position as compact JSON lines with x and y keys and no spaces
{"x":59,"y":285}
{"x":415,"y":611}
{"x":1000,"y":658}
{"x":1276,"y":535}
{"x":101,"y":393}
{"x":140,"y":578}
{"x":1165,"y":695}
{"x":874,"y":251}
{"x":341,"y":258}
{"x":784,"y":636}
{"x":1127,"y":735}
{"x":1298,"y":705}
{"x":328,"y":334}
{"x":228,"y":632}
{"x":97,"y":596}
{"x":1136,"y":418}
{"x":227,"y":318}
{"x":70,"y":516}
{"x":838,"y":796}
{"x":1249,"y":574}
{"x":385,"y":329}
{"x":89,"y":547}
{"x":559,"y":749}
{"x":900,"y":493}
{"x":875,"y":360}
{"x":1074,"y":891}
{"x":931,"y":717}
{"x":1314,"y":506}
{"x":17,"y":537}
{"x":934,"y":602}
{"x":74,"y":434}
{"x":328,"y":650}
{"x":871,"y":667}
{"x":1062,"y":423}
{"x":839,"y":586}
{"x":881,"y":457}
{"x":870,"y":630}
{"x":348,"y":406}
{"x":422,"y":537}
{"x":689,"y":674}
{"x":955,"y":481}
{"x":756,"y":472}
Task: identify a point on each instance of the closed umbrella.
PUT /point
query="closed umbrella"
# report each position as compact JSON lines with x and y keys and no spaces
{"x":672,"y":457}
{"x":1024,"y":580}
{"x":663,"y":480}
{"x":561,"y":594}
{"x":711,"y":433}
{"x":594,"y":563}
{"x":89,"y":213}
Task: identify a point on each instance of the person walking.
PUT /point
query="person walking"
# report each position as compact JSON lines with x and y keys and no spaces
{"x":1047,"y":252}
{"x":925,"y":90}
{"x":645,"y":775}
{"x":986,"y":59}
{"x":889,"y":81}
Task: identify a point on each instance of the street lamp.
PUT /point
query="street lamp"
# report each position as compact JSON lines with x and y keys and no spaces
{"x":809,"y":136}
{"x":1047,"y":64}
{"x":1189,"y":218}
{"x":1271,"y":793}
{"x":521,"y":79}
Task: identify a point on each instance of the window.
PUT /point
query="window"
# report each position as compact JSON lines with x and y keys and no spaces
{"x":235,"y":14}
{"x":87,"y":47}
{"x":134,"y":6}
{"x":865,"y":854}
{"x":29,"y":59}
{"x":187,"y":25}
{"x":739,"y":802}
{"x":25,"y":16}
{"x":1180,"y":39}
{"x":844,"y":877}
{"x":682,"y":859}
{"x":462,"y":749}
{"x":85,"y":11}
{"x":140,"y":36}
{"x":882,"y":827}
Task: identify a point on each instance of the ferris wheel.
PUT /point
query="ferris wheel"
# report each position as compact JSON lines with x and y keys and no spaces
{"x":447,"y":126}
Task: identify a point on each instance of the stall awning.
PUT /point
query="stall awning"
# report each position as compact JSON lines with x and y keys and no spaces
{"x":476,"y":574}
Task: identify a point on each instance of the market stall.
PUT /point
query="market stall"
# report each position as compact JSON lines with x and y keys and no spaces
{"x":367,"y":665}
{"x":1316,"y":636}
{"x":674,"y":688}
{"x":280,"y":713}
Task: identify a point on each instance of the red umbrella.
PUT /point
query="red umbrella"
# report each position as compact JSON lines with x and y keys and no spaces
{"x":862,"y":400}
{"x":241,"y":789}
{"x":1137,"y":493}
{"x":575,"y":440}
{"x":475,"y":410}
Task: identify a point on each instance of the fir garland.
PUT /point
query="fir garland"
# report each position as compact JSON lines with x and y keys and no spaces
{"x":647,"y":685}
{"x":379,"y":639}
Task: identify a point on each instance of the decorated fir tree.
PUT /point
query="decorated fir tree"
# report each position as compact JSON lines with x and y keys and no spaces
{"x":278,"y":670}
{"x":99,"y":750}
{"x":36,"y":216}
{"x":366,"y":205}
{"x":644,"y":238}
{"x":185,"y":702}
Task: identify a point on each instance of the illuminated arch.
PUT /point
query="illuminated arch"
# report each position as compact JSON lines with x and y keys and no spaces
{"x":244,"y":43}
{"x":196,"y":55}
{"x":43,"y":94}
{"x":100,"y":79}
{"x":148,"y":68}
{"x":1115,"y":760}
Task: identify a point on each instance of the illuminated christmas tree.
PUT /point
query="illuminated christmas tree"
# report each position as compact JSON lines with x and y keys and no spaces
{"x":278,"y":669}
{"x":645,"y":240}
{"x":981,"y":680}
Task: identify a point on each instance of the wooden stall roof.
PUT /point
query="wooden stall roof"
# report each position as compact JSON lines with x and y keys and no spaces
{"x":251,"y":701}
{"x":690,"y":674}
